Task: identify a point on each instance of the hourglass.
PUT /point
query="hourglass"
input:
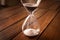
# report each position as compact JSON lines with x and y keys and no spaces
{"x":31,"y":27}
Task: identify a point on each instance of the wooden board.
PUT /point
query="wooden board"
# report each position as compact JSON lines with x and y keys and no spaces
{"x":52,"y":32}
{"x":10,"y":24}
{"x":44,"y":21}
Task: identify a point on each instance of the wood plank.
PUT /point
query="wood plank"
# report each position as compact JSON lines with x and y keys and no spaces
{"x":11,"y":20}
{"x":9,"y":8}
{"x":13,"y":26}
{"x":44,"y":21}
{"x":13,"y":30}
{"x":52,"y":32}
{"x":5,"y":13}
{"x":46,"y":3}
{"x":17,"y":30}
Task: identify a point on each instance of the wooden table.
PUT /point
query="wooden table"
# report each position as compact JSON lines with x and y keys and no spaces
{"x":47,"y":14}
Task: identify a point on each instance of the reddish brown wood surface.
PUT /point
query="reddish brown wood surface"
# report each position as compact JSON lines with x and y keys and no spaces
{"x":11,"y":20}
{"x":44,"y":21}
{"x":52,"y":32}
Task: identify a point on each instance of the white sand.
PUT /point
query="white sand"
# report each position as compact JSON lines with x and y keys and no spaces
{"x":31,"y":32}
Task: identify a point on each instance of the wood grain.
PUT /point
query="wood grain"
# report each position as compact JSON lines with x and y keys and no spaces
{"x":44,"y":21}
{"x":17,"y":12}
{"x":14,"y":25}
{"x":7,"y":12}
{"x":12,"y":18}
{"x":53,"y":30}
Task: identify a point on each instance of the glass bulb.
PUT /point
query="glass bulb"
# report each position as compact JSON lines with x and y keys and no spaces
{"x":31,"y":26}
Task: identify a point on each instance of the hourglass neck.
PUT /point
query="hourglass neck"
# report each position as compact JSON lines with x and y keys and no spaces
{"x":31,"y":13}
